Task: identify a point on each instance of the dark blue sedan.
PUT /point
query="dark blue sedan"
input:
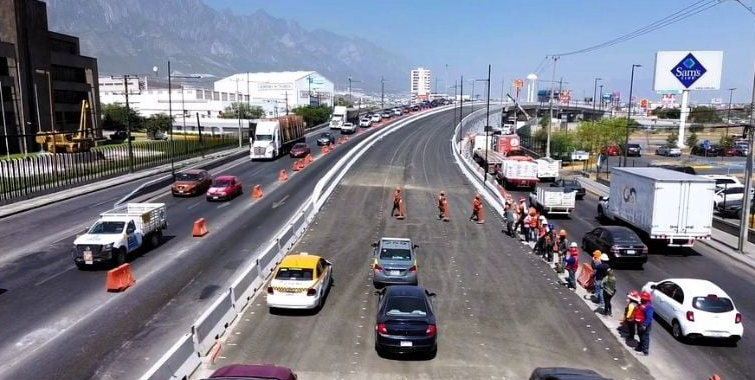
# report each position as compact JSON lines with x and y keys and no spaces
{"x":405,"y":321}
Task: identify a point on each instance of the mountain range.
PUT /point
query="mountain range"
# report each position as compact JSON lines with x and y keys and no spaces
{"x":132,"y":36}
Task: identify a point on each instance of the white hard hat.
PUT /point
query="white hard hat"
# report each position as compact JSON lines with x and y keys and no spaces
{"x":603,"y":257}
{"x":573,"y":244}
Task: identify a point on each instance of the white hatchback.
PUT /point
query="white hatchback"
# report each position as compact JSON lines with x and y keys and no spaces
{"x":376,"y":118}
{"x":695,"y":308}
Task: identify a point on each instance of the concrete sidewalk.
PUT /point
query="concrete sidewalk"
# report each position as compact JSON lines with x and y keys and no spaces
{"x":720,"y":241}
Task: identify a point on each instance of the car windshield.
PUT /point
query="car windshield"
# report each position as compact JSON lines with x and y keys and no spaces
{"x":222,"y":183}
{"x":406,"y":306}
{"x":107,"y":228}
{"x":324,"y":135}
{"x":712,"y":304}
{"x":395,"y":254}
{"x":300,"y":146}
{"x":295,"y":274}
{"x":187,"y":177}
{"x":625,"y":237}
{"x":263,"y":137}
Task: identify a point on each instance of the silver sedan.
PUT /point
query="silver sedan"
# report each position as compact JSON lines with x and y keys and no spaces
{"x":668,"y":150}
{"x":394,"y":262}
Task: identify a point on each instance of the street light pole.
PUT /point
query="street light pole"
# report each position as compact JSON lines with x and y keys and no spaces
{"x":728,"y":113}
{"x":382,"y":93}
{"x":487,"y":126}
{"x":170,"y":120}
{"x":594,"y":93}
{"x":550,"y":109}
{"x":238,"y":109}
{"x":5,"y":126}
{"x":629,"y":114}
{"x":601,"y":98}
{"x":128,"y":127}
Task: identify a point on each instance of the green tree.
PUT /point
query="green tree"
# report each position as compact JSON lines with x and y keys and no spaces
{"x":691,"y":139}
{"x":313,"y":115}
{"x":342,"y":101}
{"x":156,"y":124}
{"x":673,"y":137}
{"x":242,"y":111}
{"x":704,"y":114}
{"x":114,"y":118}
{"x":592,"y":136}
{"x":726,"y":142}
{"x":545,"y":120}
{"x":667,"y":113}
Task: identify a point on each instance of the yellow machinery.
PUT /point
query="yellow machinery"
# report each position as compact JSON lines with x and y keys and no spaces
{"x":80,"y":141}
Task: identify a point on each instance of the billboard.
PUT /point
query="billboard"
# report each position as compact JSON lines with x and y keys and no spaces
{"x":687,"y":70}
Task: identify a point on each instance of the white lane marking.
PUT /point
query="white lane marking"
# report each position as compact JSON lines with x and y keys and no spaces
{"x":281,"y":202}
{"x":192,"y":206}
{"x":224,"y":205}
{"x":51,"y":277}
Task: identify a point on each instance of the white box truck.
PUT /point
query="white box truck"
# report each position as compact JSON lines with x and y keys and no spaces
{"x":120,"y":232}
{"x":275,"y":137}
{"x":547,"y":169}
{"x":671,"y":207}
{"x":553,"y":200}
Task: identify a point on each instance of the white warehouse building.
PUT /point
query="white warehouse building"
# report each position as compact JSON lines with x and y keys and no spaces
{"x":288,"y":89}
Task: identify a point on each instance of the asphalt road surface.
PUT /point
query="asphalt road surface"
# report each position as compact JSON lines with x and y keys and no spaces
{"x":500,"y":310}
{"x":59,"y":323}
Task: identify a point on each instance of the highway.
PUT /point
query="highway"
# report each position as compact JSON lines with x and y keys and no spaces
{"x":59,"y":323}
{"x":500,"y":310}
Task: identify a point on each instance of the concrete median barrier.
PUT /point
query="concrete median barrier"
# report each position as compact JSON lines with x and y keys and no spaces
{"x":267,"y":260}
{"x":179,"y":362}
{"x":211,"y":325}
{"x":245,"y":284}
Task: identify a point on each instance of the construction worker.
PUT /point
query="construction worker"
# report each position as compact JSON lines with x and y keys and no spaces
{"x":572,"y":264}
{"x":442,"y":204}
{"x":600,"y":266}
{"x":396,"y":201}
{"x":627,"y":327}
{"x":644,"y":320}
{"x":561,"y":246}
{"x":521,"y":210}
{"x":476,"y":208}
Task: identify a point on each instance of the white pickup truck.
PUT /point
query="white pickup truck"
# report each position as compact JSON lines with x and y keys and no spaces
{"x":553,"y":200}
{"x":120,"y":232}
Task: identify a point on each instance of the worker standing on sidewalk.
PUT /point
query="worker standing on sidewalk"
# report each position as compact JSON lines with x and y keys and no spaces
{"x":644,"y":319}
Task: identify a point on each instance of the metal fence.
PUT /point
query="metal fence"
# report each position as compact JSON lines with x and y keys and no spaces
{"x":43,"y":173}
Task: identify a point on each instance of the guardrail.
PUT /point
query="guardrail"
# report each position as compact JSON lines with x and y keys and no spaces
{"x":187,"y":354}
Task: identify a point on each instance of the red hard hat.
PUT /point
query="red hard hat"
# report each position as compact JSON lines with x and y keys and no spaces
{"x":645,"y":296}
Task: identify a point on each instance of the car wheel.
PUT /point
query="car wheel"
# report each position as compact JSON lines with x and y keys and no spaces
{"x":120,"y":257}
{"x":154,"y":239}
{"x":81,"y":266}
{"x":676,"y":330}
{"x":600,"y":213}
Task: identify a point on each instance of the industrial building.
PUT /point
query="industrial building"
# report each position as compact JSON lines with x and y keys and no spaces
{"x":420,"y":84}
{"x":43,"y":77}
{"x":286,"y":89}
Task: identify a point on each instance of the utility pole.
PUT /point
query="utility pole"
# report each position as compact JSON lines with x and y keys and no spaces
{"x":746,"y":200}
{"x":128,"y":127}
{"x":629,"y":113}
{"x":728,"y":113}
{"x":550,"y":109}
{"x":487,"y":127}
{"x":238,"y":108}
{"x":382,"y":93}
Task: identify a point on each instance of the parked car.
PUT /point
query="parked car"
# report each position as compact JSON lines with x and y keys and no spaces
{"x":668,"y":150}
{"x":563,"y":373}
{"x":415,"y":108}
{"x":299,"y":150}
{"x":394,"y":261}
{"x":253,"y":372}
{"x":634,"y":150}
{"x":712,"y":151}
{"x":376,"y":118}
{"x":677,"y":168}
{"x":224,"y":187}
{"x":365,"y":122}
{"x":387,"y":115}
{"x":405,"y":321}
{"x":733,"y":208}
{"x":397,"y":112}
{"x":571,"y":185}
{"x":326,"y":138}
{"x":695,"y":308}
{"x":191,"y":182}
{"x":610,"y":150}
{"x":301,"y":282}
{"x":620,"y":243}
{"x":741,"y":150}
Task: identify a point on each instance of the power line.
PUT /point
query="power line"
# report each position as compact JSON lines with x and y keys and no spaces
{"x":684,"y":13}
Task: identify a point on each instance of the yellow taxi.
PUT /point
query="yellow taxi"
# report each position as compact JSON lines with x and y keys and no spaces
{"x":301,"y":281}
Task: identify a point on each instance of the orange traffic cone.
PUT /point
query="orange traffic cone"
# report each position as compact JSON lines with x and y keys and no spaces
{"x":119,"y":279}
{"x":257,"y":192}
{"x":301,"y":164}
{"x":345,"y":139}
{"x":324,"y":150}
{"x":295,"y":166}
{"x":283,"y":177}
{"x":330,"y":147}
{"x":308,"y":159}
{"x":200,"y":228}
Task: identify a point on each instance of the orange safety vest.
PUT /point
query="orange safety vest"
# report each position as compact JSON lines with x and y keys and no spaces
{"x":639,"y":314}
{"x":441,"y":201}
{"x":476,"y":205}
{"x":397,"y":197}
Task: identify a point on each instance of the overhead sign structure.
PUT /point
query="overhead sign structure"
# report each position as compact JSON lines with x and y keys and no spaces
{"x":687,"y":70}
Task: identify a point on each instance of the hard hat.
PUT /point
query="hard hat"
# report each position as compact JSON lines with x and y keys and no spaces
{"x":645,"y":296}
{"x":573,"y":244}
{"x":603,"y":257}
{"x":596,"y":254}
{"x":442,"y":192}
{"x":542,"y":217}
{"x":562,"y":232}
{"x":545,"y":223}
{"x":521,"y":199}
{"x":477,"y":196}
{"x":634,"y":295}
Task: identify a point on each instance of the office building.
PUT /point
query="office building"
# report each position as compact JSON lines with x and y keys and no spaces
{"x":420,"y":85}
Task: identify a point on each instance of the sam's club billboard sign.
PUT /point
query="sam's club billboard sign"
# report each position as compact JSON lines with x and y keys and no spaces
{"x":677,"y":71}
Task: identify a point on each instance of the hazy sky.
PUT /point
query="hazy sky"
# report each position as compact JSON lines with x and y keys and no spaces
{"x":515,"y":36}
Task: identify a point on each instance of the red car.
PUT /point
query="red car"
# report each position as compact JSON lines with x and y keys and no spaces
{"x":224,"y":187}
{"x":611,"y":150}
{"x":299,"y":150}
{"x":731,"y":152}
{"x":252,"y":372}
